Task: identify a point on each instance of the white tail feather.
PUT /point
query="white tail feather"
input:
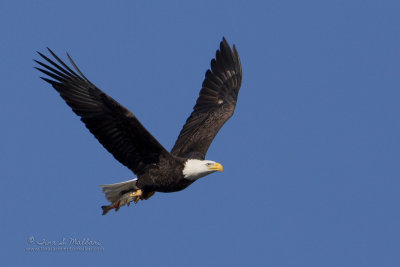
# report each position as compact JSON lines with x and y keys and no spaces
{"x":113,"y":191}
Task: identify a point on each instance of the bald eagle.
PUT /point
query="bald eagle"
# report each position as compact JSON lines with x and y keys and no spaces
{"x":121,"y":133}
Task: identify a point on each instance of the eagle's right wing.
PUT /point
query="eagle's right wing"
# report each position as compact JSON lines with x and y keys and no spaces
{"x":215,"y":105}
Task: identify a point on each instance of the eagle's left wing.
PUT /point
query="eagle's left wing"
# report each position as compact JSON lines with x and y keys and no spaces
{"x":114,"y":126}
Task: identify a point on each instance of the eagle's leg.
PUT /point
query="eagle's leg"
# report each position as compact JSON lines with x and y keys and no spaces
{"x":147,"y":195}
{"x":138,"y":194}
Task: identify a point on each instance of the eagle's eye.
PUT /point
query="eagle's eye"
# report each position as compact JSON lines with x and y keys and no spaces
{"x":209,"y":164}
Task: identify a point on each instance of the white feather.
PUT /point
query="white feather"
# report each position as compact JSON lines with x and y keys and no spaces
{"x":113,"y":191}
{"x":195,"y":169}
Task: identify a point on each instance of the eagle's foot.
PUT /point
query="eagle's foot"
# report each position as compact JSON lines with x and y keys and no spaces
{"x":137,"y":195}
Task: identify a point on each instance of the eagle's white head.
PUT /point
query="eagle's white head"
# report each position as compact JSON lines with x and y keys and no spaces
{"x":195,"y":168}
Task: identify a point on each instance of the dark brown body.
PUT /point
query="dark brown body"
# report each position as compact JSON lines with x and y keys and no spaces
{"x":166,"y":176}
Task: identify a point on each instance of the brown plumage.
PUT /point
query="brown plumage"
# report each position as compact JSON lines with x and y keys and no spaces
{"x":215,"y":105}
{"x":121,"y":133}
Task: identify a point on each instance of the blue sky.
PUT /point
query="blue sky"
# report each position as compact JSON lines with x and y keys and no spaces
{"x":311,"y":156}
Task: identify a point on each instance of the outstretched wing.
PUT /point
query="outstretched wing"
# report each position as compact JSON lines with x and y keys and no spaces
{"x":116,"y":128}
{"x":215,"y":105}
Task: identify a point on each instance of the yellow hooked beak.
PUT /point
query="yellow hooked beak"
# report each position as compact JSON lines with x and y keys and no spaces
{"x":216,"y":167}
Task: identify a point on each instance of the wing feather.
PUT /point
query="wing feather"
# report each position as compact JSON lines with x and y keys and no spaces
{"x":115,"y":127}
{"x":215,"y":105}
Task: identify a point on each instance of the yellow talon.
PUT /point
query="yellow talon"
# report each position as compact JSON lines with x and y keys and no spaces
{"x":138,"y":192}
{"x":137,"y":195}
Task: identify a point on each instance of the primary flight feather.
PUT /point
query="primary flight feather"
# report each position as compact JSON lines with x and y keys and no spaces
{"x":121,"y":133}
